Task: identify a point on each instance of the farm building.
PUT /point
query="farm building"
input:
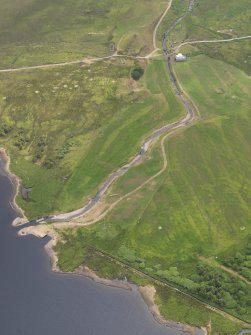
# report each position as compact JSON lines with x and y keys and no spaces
{"x":180,"y":57}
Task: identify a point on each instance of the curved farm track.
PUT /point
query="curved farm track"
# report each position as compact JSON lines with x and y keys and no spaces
{"x":166,"y":130}
{"x":65,"y":220}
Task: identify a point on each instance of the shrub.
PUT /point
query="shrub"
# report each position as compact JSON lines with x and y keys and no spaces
{"x":5,"y":129}
{"x":137,"y":73}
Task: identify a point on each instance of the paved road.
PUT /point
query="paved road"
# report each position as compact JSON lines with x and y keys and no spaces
{"x":189,"y":117}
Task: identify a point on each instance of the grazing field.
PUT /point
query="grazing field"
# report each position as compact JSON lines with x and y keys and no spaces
{"x":199,"y":209}
{"x":177,"y":307}
{"x":69,"y":128}
{"x":38,"y":31}
{"x":173,"y":305}
{"x":178,"y":9}
{"x":211,"y":20}
{"x":225,"y":16}
{"x":236,"y":53}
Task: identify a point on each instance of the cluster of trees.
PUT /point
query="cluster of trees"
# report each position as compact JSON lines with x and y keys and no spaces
{"x":222,"y":289}
{"x":240,"y":262}
{"x":172,"y":275}
{"x":5,"y":129}
{"x":58,"y":155}
{"x":129,"y":255}
{"x":211,"y":284}
{"x":51,"y":161}
{"x":64,"y":150}
{"x":137,"y":73}
{"x":214,"y":286}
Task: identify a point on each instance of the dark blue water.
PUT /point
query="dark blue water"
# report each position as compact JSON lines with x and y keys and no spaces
{"x":35,"y":301}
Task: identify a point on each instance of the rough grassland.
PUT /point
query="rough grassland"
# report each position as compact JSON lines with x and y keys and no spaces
{"x":71,"y":127}
{"x":42,"y":31}
{"x":211,"y":20}
{"x":226,"y":15}
{"x":200,"y":206}
{"x":67,"y":129}
{"x":122,"y":138}
{"x":205,"y":200}
{"x":173,"y":305}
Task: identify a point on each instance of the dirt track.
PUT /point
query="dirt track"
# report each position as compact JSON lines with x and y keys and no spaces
{"x":213,"y":41}
{"x":167,"y":129}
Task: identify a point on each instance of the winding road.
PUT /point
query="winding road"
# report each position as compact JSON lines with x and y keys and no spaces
{"x":167,"y":129}
{"x":65,"y":219}
{"x":213,"y":41}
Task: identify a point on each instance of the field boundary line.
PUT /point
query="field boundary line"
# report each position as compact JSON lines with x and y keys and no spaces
{"x":87,"y":60}
{"x":166,"y":130}
{"x":97,"y":59}
{"x":192,"y":114}
{"x":170,"y":286}
{"x":213,"y":41}
{"x":172,"y":128}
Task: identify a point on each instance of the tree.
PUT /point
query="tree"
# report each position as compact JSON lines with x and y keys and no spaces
{"x":137,"y":73}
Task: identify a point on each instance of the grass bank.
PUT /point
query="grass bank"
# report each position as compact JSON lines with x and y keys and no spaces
{"x":68,"y":129}
{"x":37,"y":32}
{"x":199,"y":208}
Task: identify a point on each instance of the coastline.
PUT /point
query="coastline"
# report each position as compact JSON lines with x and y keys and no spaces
{"x":148,"y":294}
{"x":16,"y":182}
{"x":44,"y":230}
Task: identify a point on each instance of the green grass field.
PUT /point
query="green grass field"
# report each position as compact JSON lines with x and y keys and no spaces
{"x":173,"y":305}
{"x":66,"y":129}
{"x":71,"y":127}
{"x":211,"y":20}
{"x":200,"y":206}
{"x":38,"y":32}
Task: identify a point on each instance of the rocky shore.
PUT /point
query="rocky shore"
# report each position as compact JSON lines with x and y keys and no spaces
{"x":44,"y":230}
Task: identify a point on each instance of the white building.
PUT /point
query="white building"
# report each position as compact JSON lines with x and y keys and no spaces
{"x":180,"y":57}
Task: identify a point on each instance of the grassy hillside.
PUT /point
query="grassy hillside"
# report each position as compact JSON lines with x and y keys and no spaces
{"x":69,"y":128}
{"x":225,"y":15}
{"x":42,"y":31}
{"x":179,"y":227}
{"x":211,"y":20}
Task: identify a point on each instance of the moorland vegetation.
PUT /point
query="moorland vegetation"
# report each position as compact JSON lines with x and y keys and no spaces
{"x":188,"y":230}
